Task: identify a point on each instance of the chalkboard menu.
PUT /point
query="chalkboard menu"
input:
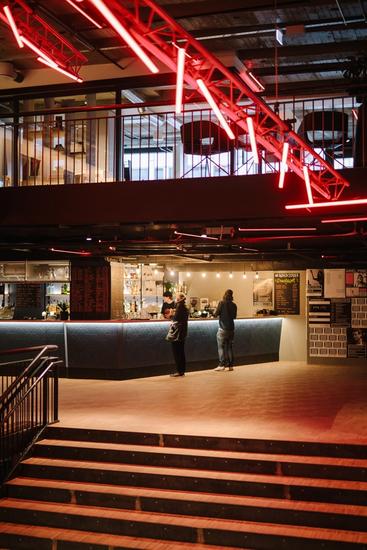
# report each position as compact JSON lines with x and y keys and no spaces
{"x":286,"y":293}
{"x":90,"y":292}
{"x":29,"y":301}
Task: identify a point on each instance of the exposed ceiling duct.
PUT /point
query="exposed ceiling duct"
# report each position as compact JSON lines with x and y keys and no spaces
{"x":7,"y":70}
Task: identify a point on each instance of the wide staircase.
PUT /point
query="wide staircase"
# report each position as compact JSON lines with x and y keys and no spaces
{"x":97,"y":489}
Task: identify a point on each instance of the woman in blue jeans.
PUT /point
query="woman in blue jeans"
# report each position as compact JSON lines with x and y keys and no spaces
{"x":227,"y":312}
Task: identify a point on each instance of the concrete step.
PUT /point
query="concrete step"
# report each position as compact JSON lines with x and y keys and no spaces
{"x":309,"y":448}
{"x":257,"y":509}
{"x":231,"y":461}
{"x":29,"y":537}
{"x":269,"y":486}
{"x":220,"y":532}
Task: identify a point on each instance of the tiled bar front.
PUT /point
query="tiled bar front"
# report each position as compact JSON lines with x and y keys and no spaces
{"x":123,"y":349}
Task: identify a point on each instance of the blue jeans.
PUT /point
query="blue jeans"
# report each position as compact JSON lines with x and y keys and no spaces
{"x":225,"y":350}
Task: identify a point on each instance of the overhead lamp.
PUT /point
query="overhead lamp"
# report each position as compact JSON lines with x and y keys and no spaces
{"x":13,"y":26}
{"x":251,"y":132}
{"x":203,"y":274}
{"x":217,"y":275}
{"x":230,"y":275}
{"x":266,"y":229}
{"x":39,"y":52}
{"x":345,"y":220}
{"x":208,"y":96}
{"x":125,"y":35}
{"x":85,"y":14}
{"x":56,"y":67}
{"x":256,"y":275}
{"x":80,"y":253}
{"x":349,"y":202}
{"x":308,"y":184}
{"x":202,"y":236}
{"x":283,"y":164}
{"x":188,"y":273}
{"x":251,"y":80}
{"x":180,"y":79}
{"x":172,"y":272}
{"x":244,"y":276}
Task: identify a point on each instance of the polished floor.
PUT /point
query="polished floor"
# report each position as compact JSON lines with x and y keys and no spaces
{"x":282,"y":400}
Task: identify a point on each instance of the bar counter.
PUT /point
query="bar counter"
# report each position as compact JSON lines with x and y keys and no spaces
{"x":125,"y":349}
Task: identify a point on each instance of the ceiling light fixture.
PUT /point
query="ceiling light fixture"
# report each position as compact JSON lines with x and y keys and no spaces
{"x":39,"y":52}
{"x":125,"y":35}
{"x":345,"y":220}
{"x":13,"y":26}
{"x":250,"y":79}
{"x":208,"y":96}
{"x":180,"y":79}
{"x":256,"y":275}
{"x":283,"y":164}
{"x":257,"y":229}
{"x":202,"y":236}
{"x":308,"y":184}
{"x":251,"y":132}
{"x":349,"y":202}
{"x":85,"y":14}
{"x":81,"y":253}
{"x":56,"y":67}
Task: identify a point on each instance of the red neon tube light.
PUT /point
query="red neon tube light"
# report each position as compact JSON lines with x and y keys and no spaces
{"x":85,"y":14}
{"x":208,"y":96}
{"x":256,"y":229}
{"x":38,"y":52}
{"x":308,"y":184}
{"x":81,"y":253}
{"x":196,"y":236}
{"x":13,"y":26}
{"x":283,"y":165}
{"x":180,"y":79}
{"x":345,"y":220}
{"x":56,"y":67}
{"x":125,"y":35}
{"x":251,"y":132}
{"x":350,"y":202}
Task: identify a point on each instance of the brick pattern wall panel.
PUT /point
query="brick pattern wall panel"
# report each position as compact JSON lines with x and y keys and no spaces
{"x":359,"y":312}
{"x":327,"y":342}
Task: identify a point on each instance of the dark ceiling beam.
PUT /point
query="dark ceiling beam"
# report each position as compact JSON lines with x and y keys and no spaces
{"x":213,"y":33}
{"x":312,"y":88}
{"x":302,"y":68}
{"x":347,"y":47}
{"x":269,"y":28}
{"x":217,"y":7}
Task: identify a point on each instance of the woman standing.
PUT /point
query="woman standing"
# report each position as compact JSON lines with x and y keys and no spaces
{"x":180,"y":318}
{"x":227,"y":312}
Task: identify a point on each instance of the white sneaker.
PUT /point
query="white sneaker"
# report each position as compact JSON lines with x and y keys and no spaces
{"x":219,"y":368}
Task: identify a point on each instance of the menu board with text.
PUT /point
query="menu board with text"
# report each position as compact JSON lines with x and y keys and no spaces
{"x":287,"y":293}
{"x":90,"y":292}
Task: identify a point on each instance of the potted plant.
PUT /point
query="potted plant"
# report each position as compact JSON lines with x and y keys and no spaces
{"x":63,"y":310}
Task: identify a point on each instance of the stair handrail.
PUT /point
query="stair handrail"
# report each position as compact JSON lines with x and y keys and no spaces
{"x":28,"y":405}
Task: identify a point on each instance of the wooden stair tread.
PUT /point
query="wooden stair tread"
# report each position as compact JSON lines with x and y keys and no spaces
{"x":170,"y":494}
{"x":207,"y":474}
{"x":89,"y":537}
{"x":266,"y":457}
{"x":311,"y":533}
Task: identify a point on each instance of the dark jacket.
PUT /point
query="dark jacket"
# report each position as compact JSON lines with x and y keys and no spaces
{"x":227,"y":312}
{"x":181,"y":317}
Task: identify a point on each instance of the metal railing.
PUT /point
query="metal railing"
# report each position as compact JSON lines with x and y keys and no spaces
{"x":150,"y":143}
{"x":28,"y":403}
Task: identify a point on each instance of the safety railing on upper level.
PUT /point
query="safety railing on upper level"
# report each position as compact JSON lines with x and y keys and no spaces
{"x":28,"y":402}
{"x":150,"y":143}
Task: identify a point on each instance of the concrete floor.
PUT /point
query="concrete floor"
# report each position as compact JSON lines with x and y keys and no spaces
{"x":283,"y":400}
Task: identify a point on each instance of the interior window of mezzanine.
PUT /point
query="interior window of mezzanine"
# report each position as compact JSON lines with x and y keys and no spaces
{"x":6,"y":142}
{"x":67,"y":140}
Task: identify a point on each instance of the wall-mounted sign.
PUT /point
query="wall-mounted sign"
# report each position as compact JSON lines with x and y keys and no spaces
{"x":286,"y":293}
{"x":314,"y":282}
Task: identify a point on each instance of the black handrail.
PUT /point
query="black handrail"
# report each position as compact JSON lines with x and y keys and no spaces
{"x":28,"y":404}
